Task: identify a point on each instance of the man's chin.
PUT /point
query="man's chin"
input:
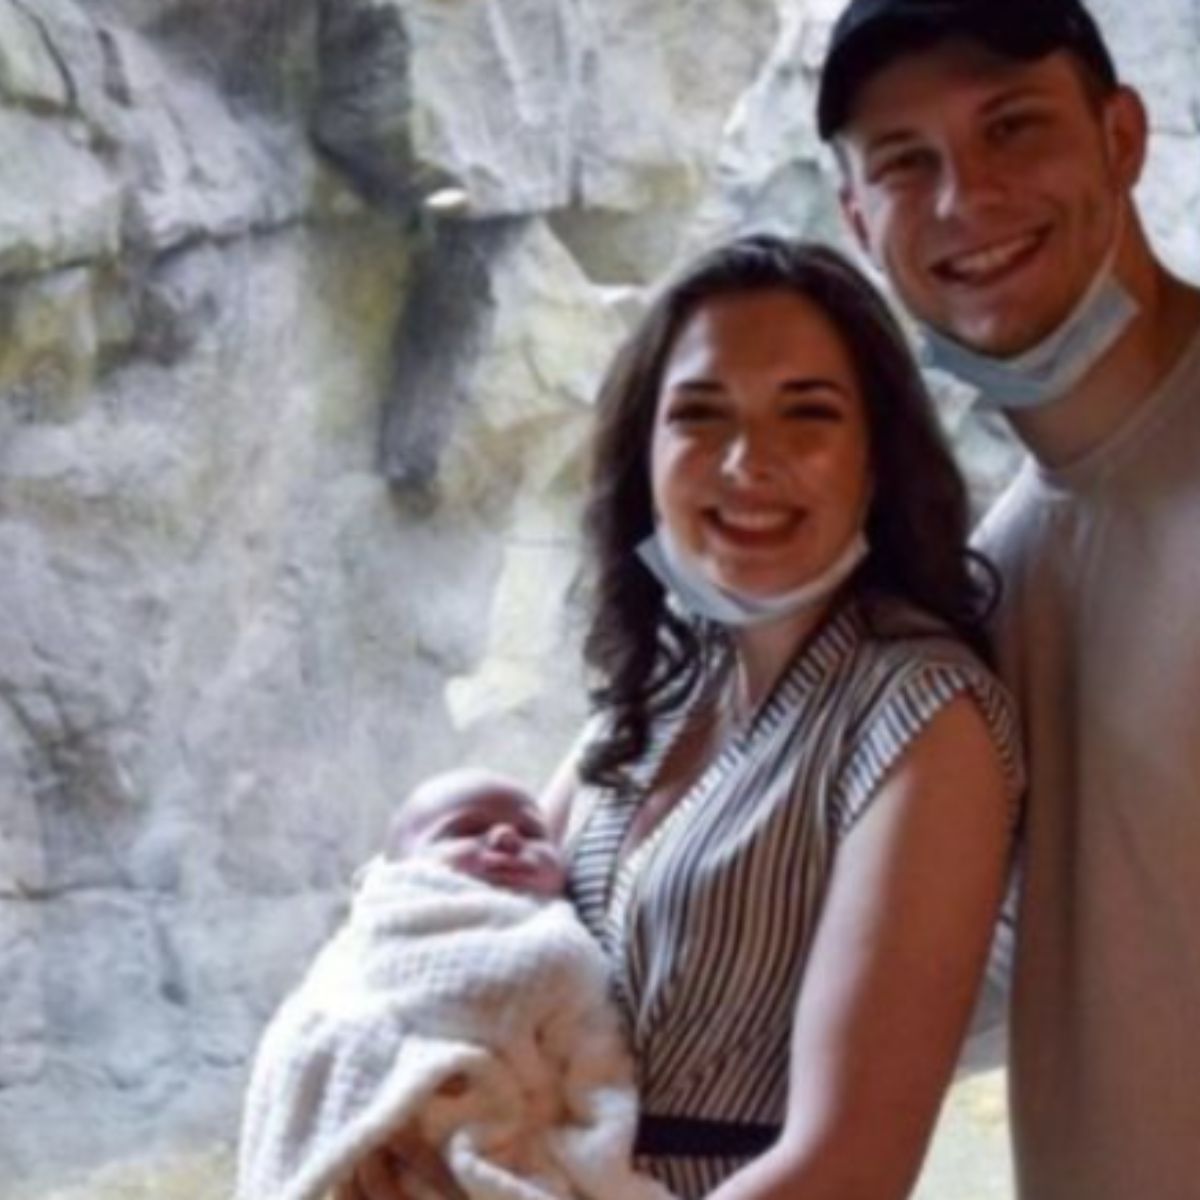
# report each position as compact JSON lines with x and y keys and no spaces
{"x":997,"y":336}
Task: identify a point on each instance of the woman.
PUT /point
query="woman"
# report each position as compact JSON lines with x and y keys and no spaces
{"x":789,"y":823}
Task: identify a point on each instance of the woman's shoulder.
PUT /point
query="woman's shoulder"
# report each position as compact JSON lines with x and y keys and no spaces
{"x":896,"y":637}
{"x":909,"y":661}
{"x":905,"y":668}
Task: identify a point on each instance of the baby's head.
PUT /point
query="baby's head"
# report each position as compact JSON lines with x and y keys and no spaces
{"x":482,"y":825}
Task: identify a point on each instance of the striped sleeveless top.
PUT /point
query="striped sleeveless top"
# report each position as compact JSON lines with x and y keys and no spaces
{"x":707,"y":922}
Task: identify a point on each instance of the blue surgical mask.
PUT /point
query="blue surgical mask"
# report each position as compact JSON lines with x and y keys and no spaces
{"x":1048,"y":371}
{"x":698,"y":595}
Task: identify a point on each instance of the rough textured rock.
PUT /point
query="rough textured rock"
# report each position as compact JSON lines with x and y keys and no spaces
{"x":290,"y":464}
{"x":662,"y":79}
{"x":418,"y":94}
{"x":521,"y":446}
{"x":659,"y":83}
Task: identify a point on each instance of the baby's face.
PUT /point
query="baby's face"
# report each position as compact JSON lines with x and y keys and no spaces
{"x":484,"y":827}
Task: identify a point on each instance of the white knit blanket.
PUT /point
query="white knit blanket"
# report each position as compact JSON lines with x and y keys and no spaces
{"x":437,"y":980}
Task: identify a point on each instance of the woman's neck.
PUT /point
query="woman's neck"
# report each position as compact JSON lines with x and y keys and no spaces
{"x":763,"y":652}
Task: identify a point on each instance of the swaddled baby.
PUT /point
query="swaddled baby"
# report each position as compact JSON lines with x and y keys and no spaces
{"x":461,"y":1001}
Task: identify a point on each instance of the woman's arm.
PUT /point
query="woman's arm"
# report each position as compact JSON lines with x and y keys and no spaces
{"x":893,"y":972}
{"x":556,"y":797}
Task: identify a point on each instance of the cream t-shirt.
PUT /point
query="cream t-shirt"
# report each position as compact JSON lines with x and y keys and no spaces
{"x":1099,"y":637}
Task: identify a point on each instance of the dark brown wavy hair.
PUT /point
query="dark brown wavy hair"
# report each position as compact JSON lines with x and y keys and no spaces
{"x":644,"y":657}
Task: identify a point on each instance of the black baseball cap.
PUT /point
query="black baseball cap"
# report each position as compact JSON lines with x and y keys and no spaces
{"x":870,"y":34}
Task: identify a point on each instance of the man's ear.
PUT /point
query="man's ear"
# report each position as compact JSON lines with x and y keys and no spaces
{"x":1126,"y":134}
{"x":852,"y":211}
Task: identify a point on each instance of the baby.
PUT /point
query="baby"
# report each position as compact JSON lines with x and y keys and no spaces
{"x":482,"y":825}
{"x":462,"y":1001}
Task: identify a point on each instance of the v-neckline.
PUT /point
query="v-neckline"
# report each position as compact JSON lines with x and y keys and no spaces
{"x":810,"y":663}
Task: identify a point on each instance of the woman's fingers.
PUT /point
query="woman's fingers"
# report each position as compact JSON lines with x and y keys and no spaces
{"x":421,"y":1169}
{"x":347,"y":1190}
{"x":405,"y":1168}
{"x":378,"y":1176}
{"x":381,"y":1177}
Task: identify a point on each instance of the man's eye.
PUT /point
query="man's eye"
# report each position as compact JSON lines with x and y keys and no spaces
{"x":1010,"y":125}
{"x":900,"y":166}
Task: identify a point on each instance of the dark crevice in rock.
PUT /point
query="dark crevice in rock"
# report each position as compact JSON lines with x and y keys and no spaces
{"x":445,"y":324}
{"x":259,"y":52}
{"x":363,"y":104}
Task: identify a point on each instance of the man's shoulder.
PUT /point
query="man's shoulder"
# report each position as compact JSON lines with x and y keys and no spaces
{"x":1010,"y":523}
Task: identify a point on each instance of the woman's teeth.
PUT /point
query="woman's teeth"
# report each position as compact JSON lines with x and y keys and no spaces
{"x":756,"y":522}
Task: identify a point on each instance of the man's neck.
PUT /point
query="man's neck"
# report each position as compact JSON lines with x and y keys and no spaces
{"x":1125,"y":378}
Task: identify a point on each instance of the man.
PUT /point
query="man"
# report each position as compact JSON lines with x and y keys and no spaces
{"x":989,"y":155}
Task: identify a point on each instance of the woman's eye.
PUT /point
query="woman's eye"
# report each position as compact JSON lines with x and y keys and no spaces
{"x":693,"y":412}
{"x":812,"y":410}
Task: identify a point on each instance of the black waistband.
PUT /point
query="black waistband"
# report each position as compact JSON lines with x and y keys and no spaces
{"x":688,"y":1137}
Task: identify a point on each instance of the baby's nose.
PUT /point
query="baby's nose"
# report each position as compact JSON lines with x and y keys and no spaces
{"x":504,"y":837}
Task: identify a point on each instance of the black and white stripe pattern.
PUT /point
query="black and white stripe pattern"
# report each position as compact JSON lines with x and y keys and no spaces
{"x":708,"y":921}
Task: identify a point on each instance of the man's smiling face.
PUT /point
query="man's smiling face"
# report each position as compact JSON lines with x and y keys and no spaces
{"x":988,"y":189}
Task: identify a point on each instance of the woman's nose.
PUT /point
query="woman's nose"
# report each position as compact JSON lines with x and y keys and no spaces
{"x":749,"y":455}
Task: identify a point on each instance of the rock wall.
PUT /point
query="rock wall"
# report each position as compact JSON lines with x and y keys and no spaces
{"x":301,"y":307}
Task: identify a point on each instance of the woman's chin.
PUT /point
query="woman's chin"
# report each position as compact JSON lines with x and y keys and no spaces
{"x":757,"y":585}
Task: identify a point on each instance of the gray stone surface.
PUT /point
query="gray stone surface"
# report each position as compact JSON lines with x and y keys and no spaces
{"x":420,"y":94}
{"x":30,"y":74}
{"x":290,"y":466}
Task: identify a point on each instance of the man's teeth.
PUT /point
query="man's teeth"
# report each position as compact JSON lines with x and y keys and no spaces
{"x":994,"y":258}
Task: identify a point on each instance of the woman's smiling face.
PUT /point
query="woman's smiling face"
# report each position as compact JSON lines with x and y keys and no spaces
{"x":760,"y":458}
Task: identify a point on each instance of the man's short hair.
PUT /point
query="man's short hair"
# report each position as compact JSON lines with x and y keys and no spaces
{"x":871,"y":34}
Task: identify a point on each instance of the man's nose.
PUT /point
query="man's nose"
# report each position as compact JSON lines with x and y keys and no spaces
{"x":968,"y":180}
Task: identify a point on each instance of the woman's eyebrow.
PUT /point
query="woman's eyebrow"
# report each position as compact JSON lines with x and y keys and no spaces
{"x":800,"y":383}
{"x":807,"y":384}
{"x":697,"y":384}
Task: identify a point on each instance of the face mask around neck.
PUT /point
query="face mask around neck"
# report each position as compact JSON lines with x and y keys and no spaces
{"x":1048,"y":371}
{"x":702,"y":598}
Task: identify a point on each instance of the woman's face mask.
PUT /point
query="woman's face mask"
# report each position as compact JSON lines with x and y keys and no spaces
{"x":699,"y":596}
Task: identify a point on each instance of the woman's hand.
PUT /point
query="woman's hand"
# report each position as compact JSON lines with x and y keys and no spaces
{"x":405,"y":1167}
